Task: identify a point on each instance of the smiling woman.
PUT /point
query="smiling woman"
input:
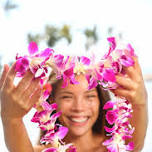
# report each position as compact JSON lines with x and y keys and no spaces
{"x":80,"y":101}
{"x":82,"y":113}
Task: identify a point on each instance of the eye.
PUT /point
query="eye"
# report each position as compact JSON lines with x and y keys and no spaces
{"x":91,"y":96}
{"x":66,"y":97}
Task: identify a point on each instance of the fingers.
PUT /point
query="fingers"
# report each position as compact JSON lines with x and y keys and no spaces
{"x":136,"y":65}
{"x":133,"y":71}
{"x":24,"y":83}
{"x":125,"y":82}
{"x":120,"y":92}
{"x":3,"y":76}
{"x":30,"y":89}
{"x":35,"y":97}
{"x":10,"y":77}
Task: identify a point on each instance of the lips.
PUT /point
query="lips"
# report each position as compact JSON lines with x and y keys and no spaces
{"x":78,"y":120}
{"x":83,"y":119}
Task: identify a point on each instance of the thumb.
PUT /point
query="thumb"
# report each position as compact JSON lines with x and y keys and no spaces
{"x":3,"y":75}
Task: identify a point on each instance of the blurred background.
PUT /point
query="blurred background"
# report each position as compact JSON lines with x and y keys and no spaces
{"x":76,"y":27}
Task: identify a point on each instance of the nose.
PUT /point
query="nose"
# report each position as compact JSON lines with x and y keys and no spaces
{"x":78,"y":105}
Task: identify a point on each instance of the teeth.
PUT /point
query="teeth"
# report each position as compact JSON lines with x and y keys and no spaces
{"x":79,"y":120}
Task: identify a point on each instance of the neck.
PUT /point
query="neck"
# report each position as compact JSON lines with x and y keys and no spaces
{"x":81,"y":142}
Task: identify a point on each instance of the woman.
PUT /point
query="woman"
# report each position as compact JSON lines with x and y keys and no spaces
{"x":80,"y":109}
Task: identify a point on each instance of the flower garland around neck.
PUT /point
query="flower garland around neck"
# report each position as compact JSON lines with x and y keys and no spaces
{"x":102,"y":72}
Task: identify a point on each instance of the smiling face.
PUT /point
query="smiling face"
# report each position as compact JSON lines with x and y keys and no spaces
{"x":79,"y":106}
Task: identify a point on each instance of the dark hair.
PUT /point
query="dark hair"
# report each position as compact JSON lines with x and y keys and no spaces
{"x":98,"y":127}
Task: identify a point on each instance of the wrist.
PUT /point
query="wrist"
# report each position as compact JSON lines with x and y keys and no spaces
{"x":140,"y":106}
{"x":139,"y":103}
{"x":8,"y":120}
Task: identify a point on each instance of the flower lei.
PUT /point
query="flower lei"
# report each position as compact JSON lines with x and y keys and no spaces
{"x":101,"y":73}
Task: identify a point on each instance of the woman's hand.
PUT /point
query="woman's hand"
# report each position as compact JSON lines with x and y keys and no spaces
{"x":133,"y":89}
{"x":16,"y":101}
{"x":132,"y":85}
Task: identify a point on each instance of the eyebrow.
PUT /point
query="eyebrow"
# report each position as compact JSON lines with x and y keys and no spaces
{"x":92,"y":90}
{"x":68,"y":92}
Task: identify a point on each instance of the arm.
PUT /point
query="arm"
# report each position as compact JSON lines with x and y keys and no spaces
{"x":16,"y":102}
{"x":133,"y":89}
{"x":16,"y":137}
{"x":139,"y":121}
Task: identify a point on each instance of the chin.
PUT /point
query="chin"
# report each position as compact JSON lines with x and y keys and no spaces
{"x":78,"y":128}
{"x":78,"y":132}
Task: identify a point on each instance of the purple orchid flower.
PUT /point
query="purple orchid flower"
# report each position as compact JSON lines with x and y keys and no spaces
{"x":54,"y":137}
{"x":22,"y":65}
{"x":111,"y":116}
{"x":61,"y":148}
{"x":32,"y":48}
{"x":112,"y":47}
{"x":68,"y":75}
{"x":109,"y":104}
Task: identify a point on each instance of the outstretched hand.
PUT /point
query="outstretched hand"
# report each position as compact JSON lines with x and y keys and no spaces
{"x":131,"y":85}
{"x":16,"y":101}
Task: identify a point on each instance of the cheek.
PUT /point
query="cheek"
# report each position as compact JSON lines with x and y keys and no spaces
{"x":64,"y":107}
{"x":95,"y":107}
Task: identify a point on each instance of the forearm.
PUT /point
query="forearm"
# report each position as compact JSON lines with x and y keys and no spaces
{"x":16,"y":137}
{"x":139,"y":120}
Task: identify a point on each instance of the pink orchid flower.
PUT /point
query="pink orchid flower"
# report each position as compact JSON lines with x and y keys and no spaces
{"x":101,"y":73}
{"x":62,"y":148}
{"x":44,"y":116}
{"x":55,"y":137}
{"x":22,"y":65}
{"x":68,"y":75}
{"x":49,"y":124}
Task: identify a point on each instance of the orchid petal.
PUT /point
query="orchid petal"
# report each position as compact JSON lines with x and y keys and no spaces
{"x":46,"y":53}
{"x":126,"y":61}
{"x":38,"y":73}
{"x":112,"y":42}
{"x":126,"y":137}
{"x":61,"y":133}
{"x":69,"y":72}
{"x":111,"y":116}
{"x":131,"y":50}
{"x":93,"y":83}
{"x":65,"y":81}
{"x":108,"y":141}
{"x":113,"y":148}
{"x":108,"y":105}
{"x":59,"y":60}
{"x":50,"y":150}
{"x":109,"y":75}
{"x":107,"y":129}
{"x":85,"y":60}
{"x":22,"y":64}
{"x":49,"y":107}
{"x":32,"y":48}
{"x":130,"y":146}
{"x":73,"y":80}
{"x":56,"y":115}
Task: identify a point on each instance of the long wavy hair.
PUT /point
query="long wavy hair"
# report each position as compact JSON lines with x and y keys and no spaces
{"x":98,"y":127}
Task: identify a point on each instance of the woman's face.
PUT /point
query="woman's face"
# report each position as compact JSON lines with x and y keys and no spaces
{"x":79,"y":106}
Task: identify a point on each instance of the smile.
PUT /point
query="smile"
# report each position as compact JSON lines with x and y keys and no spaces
{"x":78,"y":121}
